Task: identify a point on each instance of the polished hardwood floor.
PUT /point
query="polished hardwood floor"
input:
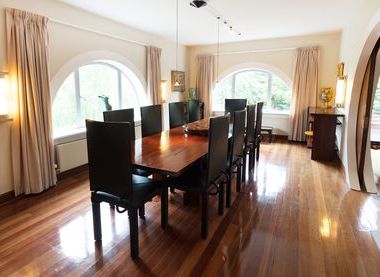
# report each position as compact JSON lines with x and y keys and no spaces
{"x":296,"y":217}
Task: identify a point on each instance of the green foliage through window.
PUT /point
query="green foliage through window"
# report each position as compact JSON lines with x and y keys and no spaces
{"x":255,"y":86}
{"x":78,"y":97}
{"x":376,"y":101}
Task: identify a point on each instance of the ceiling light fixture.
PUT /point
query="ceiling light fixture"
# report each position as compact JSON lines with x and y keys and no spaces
{"x":177,"y":42}
{"x":198,"y":4}
{"x":217,"y":51}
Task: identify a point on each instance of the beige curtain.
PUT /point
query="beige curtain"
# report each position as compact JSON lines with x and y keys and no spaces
{"x":32,"y":142}
{"x":305,"y":90}
{"x":153,"y":73}
{"x":205,"y":80}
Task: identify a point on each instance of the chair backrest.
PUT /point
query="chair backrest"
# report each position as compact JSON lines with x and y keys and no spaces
{"x":151,"y":120}
{"x":125,"y":115}
{"x":251,"y":117}
{"x":233,"y":105}
{"x":237,"y":136}
{"x":177,"y":114}
{"x":195,"y":110}
{"x":217,"y":147}
{"x":259,"y":118}
{"x":109,"y":157}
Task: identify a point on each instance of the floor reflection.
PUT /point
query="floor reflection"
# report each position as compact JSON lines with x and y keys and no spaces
{"x":271,"y":179}
{"x":370,"y":214}
{"x":77,"y":238}
{"x":328,"y":228}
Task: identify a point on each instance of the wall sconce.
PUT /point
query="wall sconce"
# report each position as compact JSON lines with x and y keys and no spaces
{"x":164,"y":88}
{"x":340,"y":94}
{"x":3,"y":98}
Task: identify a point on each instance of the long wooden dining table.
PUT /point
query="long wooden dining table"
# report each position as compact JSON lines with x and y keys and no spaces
{"x":170,"y":152}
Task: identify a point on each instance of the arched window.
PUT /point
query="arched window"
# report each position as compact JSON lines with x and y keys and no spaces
{"x":78,"y":99}
{"x":255,"y":85}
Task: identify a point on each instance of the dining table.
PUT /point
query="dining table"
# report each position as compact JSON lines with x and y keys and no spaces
{"x":171,"y":152}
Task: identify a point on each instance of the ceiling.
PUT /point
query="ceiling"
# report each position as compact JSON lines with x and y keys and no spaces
{"x":255,"y":19}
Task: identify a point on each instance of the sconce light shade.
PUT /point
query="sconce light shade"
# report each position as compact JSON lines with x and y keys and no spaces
{"x":3,"y":97}
{"x":340,"y":94}
{"x":163,"y":90}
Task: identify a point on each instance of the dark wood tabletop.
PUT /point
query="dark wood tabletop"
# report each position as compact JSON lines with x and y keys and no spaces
{"x":170,"y":152}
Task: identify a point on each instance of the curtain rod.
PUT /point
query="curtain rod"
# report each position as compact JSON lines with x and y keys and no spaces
{"x":256,"y":51}
{"x":97,"y":32}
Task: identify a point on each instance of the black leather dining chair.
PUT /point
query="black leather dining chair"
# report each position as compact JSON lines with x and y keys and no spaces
{"x":125,"y":115}
{"x":195,"y":110}
{"x":259,"y":120}
{"x":112,"y":181}
{"x":249,"y":139}
{"x":213,"y":175}
{"x":151,"y":120}
{"x":177,"y":114}
{"x":235,"y":158}
{"x":233,"y":105}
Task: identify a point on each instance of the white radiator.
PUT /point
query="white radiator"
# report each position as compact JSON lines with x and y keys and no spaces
{"x":71,"y":155}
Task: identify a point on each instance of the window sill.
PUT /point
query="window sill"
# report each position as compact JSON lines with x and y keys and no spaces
{"x":267,"y":114}
{"x":78,"y":134}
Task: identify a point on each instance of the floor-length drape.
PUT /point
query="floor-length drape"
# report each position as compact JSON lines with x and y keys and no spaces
{"x":153,"y":73}
{"x":305,"y":90}
{"x":205,"y":80}
{"x":32,"y":139}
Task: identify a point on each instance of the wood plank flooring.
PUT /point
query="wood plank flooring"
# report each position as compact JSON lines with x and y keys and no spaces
{"x":295,"y":217}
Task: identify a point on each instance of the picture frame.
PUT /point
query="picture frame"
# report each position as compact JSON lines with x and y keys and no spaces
{"x":178,"y":81}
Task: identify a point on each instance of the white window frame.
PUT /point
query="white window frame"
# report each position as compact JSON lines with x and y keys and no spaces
{"x":257,"y":67}
{"x":80,"y":132}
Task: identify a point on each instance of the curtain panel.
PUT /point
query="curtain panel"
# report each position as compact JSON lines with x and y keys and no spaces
{"x":305,"y":90}
{"x":153,"y":68}
{"x":32,"y":139}
{"x":205,"y":81}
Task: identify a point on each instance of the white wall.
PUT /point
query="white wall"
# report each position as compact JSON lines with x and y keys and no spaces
{"x":67,"y":42}
{"x":358,"y":39}
{"x":280,"y":62}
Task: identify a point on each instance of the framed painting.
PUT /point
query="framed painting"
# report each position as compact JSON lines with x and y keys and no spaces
{"x":178,"y":81}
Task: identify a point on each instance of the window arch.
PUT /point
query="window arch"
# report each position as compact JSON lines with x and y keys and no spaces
{"x":255,"y":85}
{"x":77,"y":99}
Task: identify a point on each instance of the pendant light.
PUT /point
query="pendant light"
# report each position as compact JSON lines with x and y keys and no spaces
{"x":176,"y":83}
{"x":217,"y":51}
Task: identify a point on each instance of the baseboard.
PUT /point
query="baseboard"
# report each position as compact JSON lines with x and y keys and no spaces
{"x":275,"y":137}
{"x":280,"y":137}
{"x":72,"y":172}
{"x":8,"y":196}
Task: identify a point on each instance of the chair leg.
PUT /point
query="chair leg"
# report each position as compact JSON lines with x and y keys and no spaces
{"x":134,"y":232}
{"x":244,"y":165}
{"x":253,"y":158}
{"x":221,"y":198}
{"x":164,"y":208}
{"x":238,"y":177}
{"x":142,"y":212}
{"x":258,"y":152}
{"x":228,"y":190}
{"x":96,"y":221}
{"x":204,"y":212}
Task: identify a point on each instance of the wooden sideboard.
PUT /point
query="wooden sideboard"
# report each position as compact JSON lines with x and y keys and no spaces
{"x":324,"y":122}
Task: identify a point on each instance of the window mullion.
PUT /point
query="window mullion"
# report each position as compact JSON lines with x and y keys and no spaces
{"x":269,"y":96}
{"x":233,"y":86}
{"x":78,"y":97}
{"x":119,"y":89}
